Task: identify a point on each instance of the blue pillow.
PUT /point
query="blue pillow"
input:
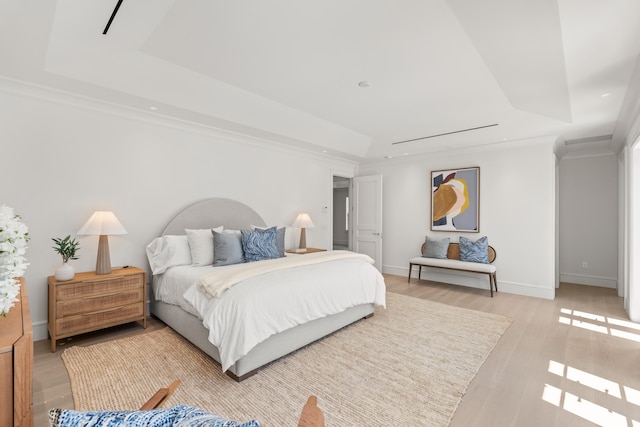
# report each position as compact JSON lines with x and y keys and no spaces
{"x":435,"y":248}
{"x":178,"y":415}
{"x":477,"y":251}
{"x":195,"y":417}
{"x":71,"y":418}
{"x":227,"y":247}
{"x":259,"y":244}
{"x":279,"y":238}
{"x":280,"y":241}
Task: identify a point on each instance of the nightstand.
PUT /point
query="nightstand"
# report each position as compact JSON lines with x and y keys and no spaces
{"x":307,"y":251}
{"x":90,"y":302}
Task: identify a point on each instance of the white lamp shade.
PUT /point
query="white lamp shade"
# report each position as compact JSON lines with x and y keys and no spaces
{"x":102,"y":223}
{"x":303,"y":220}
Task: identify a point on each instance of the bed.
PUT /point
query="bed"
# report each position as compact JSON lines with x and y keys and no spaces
{"x":184,"y":318}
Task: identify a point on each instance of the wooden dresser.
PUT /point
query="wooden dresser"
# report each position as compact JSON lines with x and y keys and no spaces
{"x":16,"y":364}
{"x":89,"y":302}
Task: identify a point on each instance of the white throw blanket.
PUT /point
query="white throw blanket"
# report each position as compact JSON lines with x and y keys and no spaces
{"x":214,"y":284}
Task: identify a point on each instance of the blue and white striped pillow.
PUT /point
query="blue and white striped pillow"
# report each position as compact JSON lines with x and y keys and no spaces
{"x":477,"y":251}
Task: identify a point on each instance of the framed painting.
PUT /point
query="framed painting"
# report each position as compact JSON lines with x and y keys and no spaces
{"x":455,"y":200}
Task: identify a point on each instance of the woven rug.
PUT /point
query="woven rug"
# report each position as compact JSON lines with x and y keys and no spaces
{"x":408,"y":365}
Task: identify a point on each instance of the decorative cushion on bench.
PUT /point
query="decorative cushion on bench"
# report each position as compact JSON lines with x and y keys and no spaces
{"x":434,"y":248}
{"x":477,"y":251}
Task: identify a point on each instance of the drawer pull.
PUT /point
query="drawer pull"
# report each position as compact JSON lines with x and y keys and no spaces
{"x":101,"y":311}
{"x":102,"y":295}
{"x":103,"y":280}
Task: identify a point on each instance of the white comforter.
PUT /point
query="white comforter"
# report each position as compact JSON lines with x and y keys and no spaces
{"x":258,"y":307}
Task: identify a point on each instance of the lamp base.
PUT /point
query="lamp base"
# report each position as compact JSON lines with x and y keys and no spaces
{"x":103,"y":262}
{"x":303,"y":239}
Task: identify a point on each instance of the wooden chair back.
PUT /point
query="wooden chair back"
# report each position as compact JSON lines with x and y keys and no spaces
{"x":160,"y":397}
{"x":311,"y":416}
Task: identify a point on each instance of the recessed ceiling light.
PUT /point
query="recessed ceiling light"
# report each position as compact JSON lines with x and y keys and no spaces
{"x":604,"y":95}
{"x":405,"y":154}
{"x":364,"y":83}
{"x":324,"y":151}
{"x":153,"y":108}
{"x":388,"y":157}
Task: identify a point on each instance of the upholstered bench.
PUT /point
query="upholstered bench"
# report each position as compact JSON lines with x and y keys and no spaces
{"x":452,"y":262}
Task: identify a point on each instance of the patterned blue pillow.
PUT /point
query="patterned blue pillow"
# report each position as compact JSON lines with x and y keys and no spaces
{"x":178,"y":415}
{"x":70,"y":418}
{"x":279,"y":238}
{"x":195,"y":417}
{"x":477,"y":251}
{"x":259,"y":244}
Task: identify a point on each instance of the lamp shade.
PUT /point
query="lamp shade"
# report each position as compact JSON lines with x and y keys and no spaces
{"x":102,"y":223}
{"x":303,"y":220}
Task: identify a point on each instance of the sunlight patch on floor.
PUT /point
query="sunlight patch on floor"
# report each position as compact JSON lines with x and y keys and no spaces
{"x":584,"y":408}
{"x":576,"y":320}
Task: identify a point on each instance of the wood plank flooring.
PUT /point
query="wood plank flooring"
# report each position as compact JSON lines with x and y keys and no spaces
{"x":574,"y":361}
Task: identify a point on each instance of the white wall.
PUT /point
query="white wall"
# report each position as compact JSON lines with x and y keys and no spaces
{"x":517,"y":213}
{"x":589,"y":220}
{"x":63,"y":158}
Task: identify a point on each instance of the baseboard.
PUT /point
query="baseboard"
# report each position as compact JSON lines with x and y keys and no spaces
{"x":583,"y":279}
{"x":472,"y":280}
{"x":40,"y":331}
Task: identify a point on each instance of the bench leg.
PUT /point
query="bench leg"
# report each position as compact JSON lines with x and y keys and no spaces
{"x":410,"y":268}
{"x":491,"y":284}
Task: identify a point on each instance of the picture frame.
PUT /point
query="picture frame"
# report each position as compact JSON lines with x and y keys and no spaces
{"x":455,"y":200}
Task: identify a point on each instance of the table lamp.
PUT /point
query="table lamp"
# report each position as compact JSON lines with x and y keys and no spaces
{"x":303,"y":221}
{"x":103,"y":224}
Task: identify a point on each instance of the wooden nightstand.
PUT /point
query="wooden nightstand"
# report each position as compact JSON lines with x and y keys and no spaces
{"x":90,"y":302}
{"x":308,"y":251}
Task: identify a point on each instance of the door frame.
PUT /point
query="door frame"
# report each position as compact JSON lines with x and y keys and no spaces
{"x":329,"y":209}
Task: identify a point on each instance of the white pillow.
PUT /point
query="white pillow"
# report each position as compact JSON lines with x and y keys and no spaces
{"x":201,"y":244}
{"x":168,"y":251}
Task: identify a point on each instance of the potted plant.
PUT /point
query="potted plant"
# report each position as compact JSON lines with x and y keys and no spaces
{"x":67,"y":248}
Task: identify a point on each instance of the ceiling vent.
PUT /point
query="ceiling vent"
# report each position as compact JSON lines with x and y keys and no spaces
{"x":113,"y":15}
{"x":446,"y":133}
{"x":599,"y":138}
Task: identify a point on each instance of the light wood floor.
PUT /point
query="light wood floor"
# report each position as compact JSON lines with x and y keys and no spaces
{"x":574,"y":361}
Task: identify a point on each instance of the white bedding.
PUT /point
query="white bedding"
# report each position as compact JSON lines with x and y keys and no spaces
{"x":217,"y":282}
{"x":256,"y":308}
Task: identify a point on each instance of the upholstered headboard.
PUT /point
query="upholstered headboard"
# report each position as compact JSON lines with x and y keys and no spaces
{"x":214,"y":212}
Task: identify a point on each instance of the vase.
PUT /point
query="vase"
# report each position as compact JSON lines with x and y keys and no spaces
{"x":64,"y":272}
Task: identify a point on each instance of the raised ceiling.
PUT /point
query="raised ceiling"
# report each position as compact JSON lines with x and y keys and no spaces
{"x":288,"y":71}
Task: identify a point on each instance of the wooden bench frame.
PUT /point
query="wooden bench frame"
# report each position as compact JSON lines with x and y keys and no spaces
{"x":453,"y":253}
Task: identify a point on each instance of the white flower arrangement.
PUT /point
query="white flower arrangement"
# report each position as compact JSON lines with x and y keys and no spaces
{"x":14,"y":236}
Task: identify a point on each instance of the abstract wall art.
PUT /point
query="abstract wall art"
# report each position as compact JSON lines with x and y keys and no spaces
{"x":455,"y":200}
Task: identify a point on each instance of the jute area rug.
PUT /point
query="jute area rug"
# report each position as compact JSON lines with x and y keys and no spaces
{"x":408,"y":365}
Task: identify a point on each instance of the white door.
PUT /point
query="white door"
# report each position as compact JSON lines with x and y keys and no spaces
{"x":367,"y":217}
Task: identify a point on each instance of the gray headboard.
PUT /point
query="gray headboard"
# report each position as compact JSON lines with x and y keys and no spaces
{"x":214,"y":212}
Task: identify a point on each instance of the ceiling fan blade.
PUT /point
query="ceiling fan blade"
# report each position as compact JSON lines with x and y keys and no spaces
{"x":113,"y":15}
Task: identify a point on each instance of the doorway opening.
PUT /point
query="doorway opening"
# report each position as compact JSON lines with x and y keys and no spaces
{"x":341,"y":213}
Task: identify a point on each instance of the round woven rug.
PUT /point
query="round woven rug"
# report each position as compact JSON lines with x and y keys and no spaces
{"x":407,"y":365}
